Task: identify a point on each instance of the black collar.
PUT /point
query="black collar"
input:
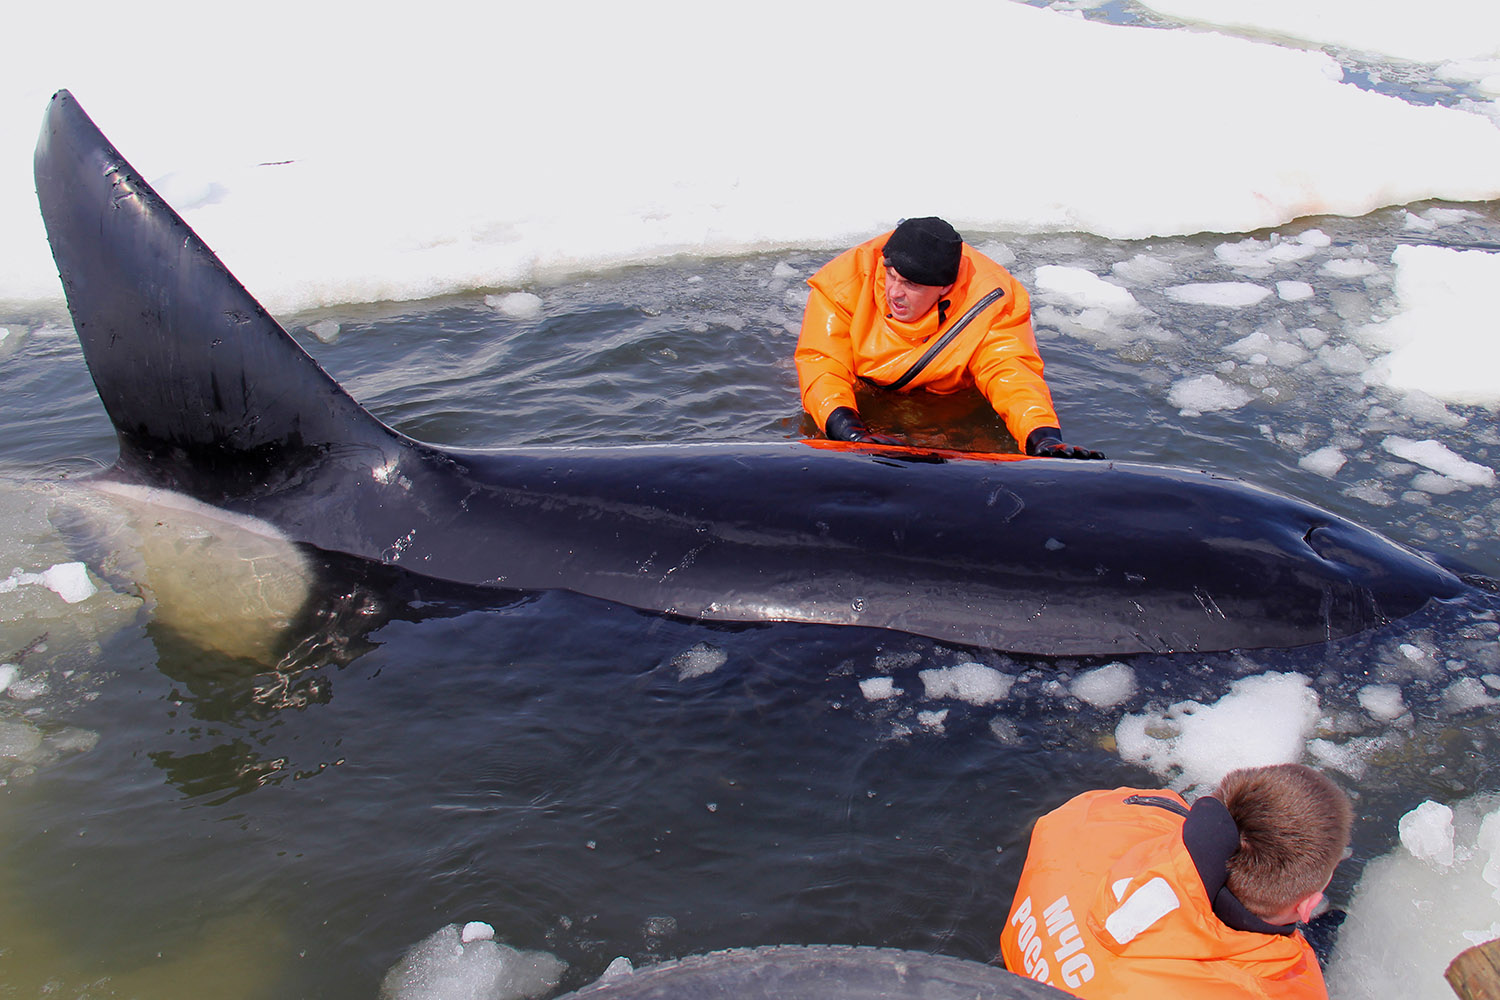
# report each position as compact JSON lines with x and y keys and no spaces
{"x":1210,"y":836}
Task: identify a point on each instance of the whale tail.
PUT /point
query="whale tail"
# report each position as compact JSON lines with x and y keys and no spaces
{"x":208,"y":394}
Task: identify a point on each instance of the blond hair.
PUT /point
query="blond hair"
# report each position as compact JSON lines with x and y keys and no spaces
{"x":1294,"y":829}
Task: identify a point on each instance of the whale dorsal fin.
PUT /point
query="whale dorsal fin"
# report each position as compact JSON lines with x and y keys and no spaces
{"x":208,"y":394}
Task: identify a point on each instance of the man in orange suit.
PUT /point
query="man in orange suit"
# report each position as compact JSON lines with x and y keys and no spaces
{"x":1129,"y":894}
{"x":917,"y":308}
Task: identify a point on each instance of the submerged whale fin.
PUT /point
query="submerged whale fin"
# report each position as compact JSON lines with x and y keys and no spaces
{"x":207,"y":392}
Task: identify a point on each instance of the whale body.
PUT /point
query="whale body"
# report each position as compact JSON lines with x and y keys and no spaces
{"x":817,"y":972}
{"x":212,"y":398}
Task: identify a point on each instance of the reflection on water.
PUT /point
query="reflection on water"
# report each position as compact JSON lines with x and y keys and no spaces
{"x":245,"y":769}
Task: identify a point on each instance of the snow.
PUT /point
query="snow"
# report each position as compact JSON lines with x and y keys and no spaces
{"x":1264,"y":719}
{"x":1105,"y":687}
{"x":970,"y":682}
{"x":1437,"y":31}
{"x":517,"y":144}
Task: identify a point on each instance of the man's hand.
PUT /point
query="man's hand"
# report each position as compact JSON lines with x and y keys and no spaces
{"x":845,"y":425}
{"x":1047,"y":442}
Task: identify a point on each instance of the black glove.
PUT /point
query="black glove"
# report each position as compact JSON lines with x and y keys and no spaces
{"x":1046,"y":442}
{"x":845,"y":425}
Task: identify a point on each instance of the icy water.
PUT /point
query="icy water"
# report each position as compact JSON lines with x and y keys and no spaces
{"x":215,"y":788}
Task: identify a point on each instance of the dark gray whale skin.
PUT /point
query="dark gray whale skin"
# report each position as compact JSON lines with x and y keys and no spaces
{"x":211,"y":398}
{"x":817,"y":972}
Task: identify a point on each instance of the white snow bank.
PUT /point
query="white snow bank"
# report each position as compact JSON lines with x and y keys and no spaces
{"x":517,"y":144}
{"x":1433,"y":31}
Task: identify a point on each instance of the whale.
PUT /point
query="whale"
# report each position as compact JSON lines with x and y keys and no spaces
{"x":816,"y":972}
{"x":211,"y":398}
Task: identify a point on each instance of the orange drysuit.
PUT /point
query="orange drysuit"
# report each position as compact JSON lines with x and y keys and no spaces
{"x":1112,"y":904}
{"x":847,"y":333}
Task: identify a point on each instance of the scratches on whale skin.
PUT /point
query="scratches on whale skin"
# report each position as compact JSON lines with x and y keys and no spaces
{"x":1209,"y":605}
{"x":394,"y":551}
{"x":1016,"y":504}
{"x":685,"y":562}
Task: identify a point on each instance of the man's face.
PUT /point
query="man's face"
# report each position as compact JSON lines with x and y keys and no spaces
{"x":908,"y":300}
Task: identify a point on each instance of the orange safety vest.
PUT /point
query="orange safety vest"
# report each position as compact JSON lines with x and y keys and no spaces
{"x":848,"y":333}
{"x":1111,"y":905}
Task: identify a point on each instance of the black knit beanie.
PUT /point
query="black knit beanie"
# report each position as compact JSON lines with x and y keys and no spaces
{"x":925,"y":251}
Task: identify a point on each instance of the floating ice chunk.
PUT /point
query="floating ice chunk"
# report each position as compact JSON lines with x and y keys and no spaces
{"x":1466,"y":693}
{"x":933,"y":720}
{"x":1253,"y":254}
{"x":70,"y":581}
{"x":1419,"y":405}
{"x":1294,"y":291}
{"x":1349,"y":267}
{"x":1105,"y":687}
{"x":1439,"y":216}
{"x":1437,"y":457}
{"x":8,"y":673}
{"x":1344,"y":359}
{"x":18,"y":738}
{"x":29,"y":688}
{"x":444,"y":967}
{"x":326,"y":330}
{"x":1370,"y":492}
{"x":1312,"y":338}
{"x":1427,"y":833}
{"x":1416,"y":223}
{"x":879,"y":688}
{"x":1082,"y":288}
{"x":1224,"y":294}
{"x":971,"y":682}
{"x":703,"y":658}
{"x":1352,"y":757}
{"x":72,"y":740}
{"x":1100,"y":326}
{"x":1004,"y":730}
{"x":476,"y":930}
{"x":1441,"y":341}
{"x":1409,"y":916}
{"x":1249,"y":252}
{"x":1144,"y":269}
{"x":1488,"y":845}
{"x":620,"y":966}
{"x":1206,"y":394}
{"x":1431,"y":482}
{"x":517,"y":305}
{"x":997,"y":252}
{"x":1261,"y":720}
{"x":1382,"y":701}
{"x":659,"y":927}
{"x":1260,"y":345}
{"x":1326,"y":461}
{"x":1413,"y":652}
